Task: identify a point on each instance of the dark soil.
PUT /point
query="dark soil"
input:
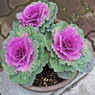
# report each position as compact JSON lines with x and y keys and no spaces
{"x":47,"y":77}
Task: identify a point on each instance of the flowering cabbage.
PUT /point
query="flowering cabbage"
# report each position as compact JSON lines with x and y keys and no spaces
{"x":39,"y":14}
{"x":34,"y":14}
{"x":69,"y":50}
{"x":22,"y":54}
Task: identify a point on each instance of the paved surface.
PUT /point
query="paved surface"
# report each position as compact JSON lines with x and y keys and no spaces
{"x":80,"y":12}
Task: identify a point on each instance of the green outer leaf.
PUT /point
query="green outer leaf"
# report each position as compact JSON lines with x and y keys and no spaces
{"x":13,"y":34}
{"x":39,"y":70}
{"x":35,"y":56}
{"x":20,"y":77}
{"x":21,"y":30}
{"x":47,"y":24}
{"x":33,"y":30}
{"x":15,"y":24}
{"x":60,"y":67}
{"x":3,"y":54}
{"x":53,"y":54}
{"x":80,"y":31}
{"x":59,"y":26}
{"x":81,"y":67}
{"x":25,"y":74}
{"x":85,"y":59}
{"x":30,"y":81}
{"x":34,"y":65}
{"x":69,"y":63}
{"x":29,"y":29}
{"x":86,"y":48}
{"x":90,"y":65}
{"x":15,"y":78}
{"x":49,"y":65}
{"x":52,"y":15}
{"x":35,"y":44}
{"x":9,"y":69}
{"x":55,"y":65}
{"x":51,"y":9}
{"x":42,"y":41}
{"x":43,"y":59}
{"x":35,"y":48}
{"x":66,"y":74}
{"x":42,"y":29}
{"x":50,"y":28}
{"x":39,"y":63}
{"x":48,"y":36}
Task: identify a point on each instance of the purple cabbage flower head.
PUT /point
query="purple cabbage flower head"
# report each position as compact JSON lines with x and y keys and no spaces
{"x":68,"y":44}
{"x":34,"y":14}
{"x":19,"y":53}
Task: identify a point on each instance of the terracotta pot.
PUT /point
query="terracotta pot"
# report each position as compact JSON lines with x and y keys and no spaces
{"x":50,"y":88}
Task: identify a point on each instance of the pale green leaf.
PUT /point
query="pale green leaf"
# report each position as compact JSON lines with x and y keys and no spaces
{"x":90,"y":65}
{"x":59,"y":26}
{"x":9,"y":69}
{"x":55,"y":65}
{"x":3,"y":54}
{"x":15,"y":78}
{"x":39,"y":70}
{"x":80,"y":31}
{"x":42,"y":41}
{"x":66,"y":74}
{"x":43,"y":59}
{"x":30,"y":81}
{"x":15,"y":24}
{"x":34,"y":65}
{"x":35,"y":44}
{"x":48,"y":40}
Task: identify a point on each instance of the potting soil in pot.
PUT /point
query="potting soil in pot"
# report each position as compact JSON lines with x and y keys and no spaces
{"x":47,"y":77}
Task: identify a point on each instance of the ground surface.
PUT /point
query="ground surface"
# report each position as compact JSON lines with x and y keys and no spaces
{"x":80,"y":12}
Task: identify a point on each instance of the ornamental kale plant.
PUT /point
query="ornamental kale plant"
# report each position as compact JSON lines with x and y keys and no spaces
{"x":36,"y":41}
{"x":69,"y":50}
{"x":23,"y":54}
{"x":39,"y":14}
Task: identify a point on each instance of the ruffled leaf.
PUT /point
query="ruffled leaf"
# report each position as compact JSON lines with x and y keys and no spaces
{"x":43,"y":59}
{"x":13,"y":34}
{"x":3,"y":54}
{"x":30,"y":81}
{"x":34,"y":65}
{"x":52,"y":15}
{"x":15,"y":24}
{"x":81,"y":67}
{"x":55,"y":65}
{"x":90,"y":65}
{"x":33,"y":30}
{"x":80,"y":31}
{"x":42,"y":41}
{"x":9,"y":69}
{"x":69,"y":63}
{"x":59,"y":26}
{"x":15,"y":78}
{"x":39,"y":70}
{"x":48,"y":36}
{"x":21,"y":30}
{"x":66,"y":74}
{"x":85,"y":59}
